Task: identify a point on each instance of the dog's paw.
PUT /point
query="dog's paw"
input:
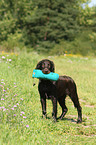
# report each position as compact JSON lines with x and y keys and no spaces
{"x":79,"y":121}
{"x":44,"y":116}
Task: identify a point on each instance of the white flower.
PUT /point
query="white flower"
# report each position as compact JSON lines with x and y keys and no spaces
{"x":3,"y":57}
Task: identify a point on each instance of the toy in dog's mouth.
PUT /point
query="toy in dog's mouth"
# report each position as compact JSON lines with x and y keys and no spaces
{"x":45,"y":71}
{"x":49,"y":75}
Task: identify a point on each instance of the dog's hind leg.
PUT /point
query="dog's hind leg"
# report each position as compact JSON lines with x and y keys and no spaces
{"x":61,"y":101}
{"x":74,"y":98}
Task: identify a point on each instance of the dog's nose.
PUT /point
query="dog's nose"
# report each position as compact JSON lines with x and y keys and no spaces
{"x":45,"y":71}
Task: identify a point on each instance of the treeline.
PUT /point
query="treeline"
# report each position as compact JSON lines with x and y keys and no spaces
{"x":52,"y":26}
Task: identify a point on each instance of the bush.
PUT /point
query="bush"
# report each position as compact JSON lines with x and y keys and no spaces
{"x":14,"y":42}
{"x":84,"y":44}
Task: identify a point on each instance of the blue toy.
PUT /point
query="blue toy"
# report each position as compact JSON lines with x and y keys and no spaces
{"x":40,"y":75}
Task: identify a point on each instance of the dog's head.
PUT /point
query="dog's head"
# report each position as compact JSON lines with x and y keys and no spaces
{"x":46,"y":66}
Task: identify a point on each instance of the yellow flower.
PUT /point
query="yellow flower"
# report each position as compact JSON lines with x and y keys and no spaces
{"x":2,"y":52}
{"x":65,"y":51}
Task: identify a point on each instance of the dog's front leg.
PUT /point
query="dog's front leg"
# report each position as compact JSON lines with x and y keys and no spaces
{"x":54,"y":113}
{"x":43,"y":104}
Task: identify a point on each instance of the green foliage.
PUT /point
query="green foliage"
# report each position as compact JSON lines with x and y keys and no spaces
{"x":93,"y":19}
{"x":52,"y":26}
{"x":13,"y":42}
{"x":6,"y":27}
{"x":12,"y":16}
{"x":84,"y":45}
{"x":51,"y":22}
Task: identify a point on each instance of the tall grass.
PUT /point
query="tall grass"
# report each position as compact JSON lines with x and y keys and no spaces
{"x":20,"y":108}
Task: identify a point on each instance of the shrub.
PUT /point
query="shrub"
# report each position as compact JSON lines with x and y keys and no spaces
{"x":14,"y":42}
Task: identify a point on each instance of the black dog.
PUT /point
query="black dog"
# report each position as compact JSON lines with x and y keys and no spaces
{"x":57,"y":91}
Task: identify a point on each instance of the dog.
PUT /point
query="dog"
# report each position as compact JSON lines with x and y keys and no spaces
{"x":57,"y":91}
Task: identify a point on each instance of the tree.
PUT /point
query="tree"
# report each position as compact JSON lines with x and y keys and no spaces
{"x":12,"y":16}
{"x":52,"y":21}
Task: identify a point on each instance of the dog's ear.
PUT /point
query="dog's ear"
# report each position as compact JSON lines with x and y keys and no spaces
{"x":39,"y":65}
{"x":52,"y":66}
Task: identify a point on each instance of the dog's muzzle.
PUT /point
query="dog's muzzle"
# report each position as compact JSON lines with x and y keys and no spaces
{"x":45,"y":71}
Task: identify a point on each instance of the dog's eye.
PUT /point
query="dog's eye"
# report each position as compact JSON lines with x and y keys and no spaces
{"x":43,"y":65}
{"x":48,"y":65}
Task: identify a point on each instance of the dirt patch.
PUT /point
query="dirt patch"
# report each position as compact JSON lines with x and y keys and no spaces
{"x":90,"y":106}
{"x":82,"y":101}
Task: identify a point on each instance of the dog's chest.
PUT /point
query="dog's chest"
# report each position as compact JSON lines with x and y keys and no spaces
{"x":49,"y":89}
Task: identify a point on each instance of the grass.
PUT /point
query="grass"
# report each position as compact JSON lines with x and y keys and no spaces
{"x":20,"y":109}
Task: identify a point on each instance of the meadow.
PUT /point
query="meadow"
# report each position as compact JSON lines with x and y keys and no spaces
{"x":21,"y":120}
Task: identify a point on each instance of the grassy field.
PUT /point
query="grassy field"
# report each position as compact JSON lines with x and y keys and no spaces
{"x":20,"y":109}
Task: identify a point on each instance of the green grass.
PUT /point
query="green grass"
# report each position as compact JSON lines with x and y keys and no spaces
{"x":20,"y":109}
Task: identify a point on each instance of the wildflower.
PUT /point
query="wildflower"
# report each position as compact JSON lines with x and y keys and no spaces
{"x":18,"y":104}
{"x":21,"y":99}
{"x":3,"y":57}
{"x":2,"y":98}
{"x":12,"y":108}
{"x":14,"y":114}
{"x":15,"y":95}
{"x":15,"y":86}
{"x":4,"y":90}
{"x":24,"y":117}
{"x":27,"y":126}
{"x":22,"y":112}
{"x":4,"y":109}
{"x":10,"y":59}
{"x":15,"y":106}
